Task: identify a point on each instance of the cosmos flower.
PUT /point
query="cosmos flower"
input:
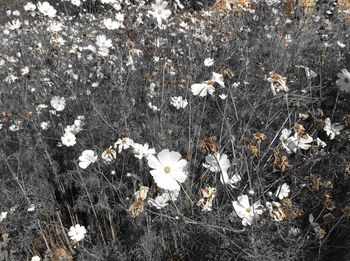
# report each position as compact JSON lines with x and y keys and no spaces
{"x":168,"y":169}
{"x":123,"y":144}
{"x":202,"y":89}
{"x":87,"y":157}
{"x":68,"y":139}
{"x":143,"y":151}
{"x":344,"y":80}
{"x":208,"y":62}
{"x":29,"y":7}
{"x":109,"y":154}
{"x":77,"y":232}
{"x":219,"y":79}
{"x":332,"y":129}
{"x":3,"y":215}
{"x":110,"y":24}
{"x":303,"y":141}
{"x":58,"y":103}
{"x":46,"y":9}
{"x":245,"y":211}
{"x":35,"y":258}
{"x":288,"y":141}
{"x":282,"y":191}
{"x":178,"y":102}
{"x":218,"y":163}
{"x":162,"y":200}
{"x":159,"y":12}
{"x":103,"y":45}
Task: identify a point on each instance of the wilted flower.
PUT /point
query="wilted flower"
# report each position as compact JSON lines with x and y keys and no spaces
{"x":77,"y":232}
{"x":178,"y":102}
{"x":206,"y":202}
{"x":275,"y":210}
{"x":277,"y":83}
{"x":87,"y":157}
{"x":332,"y":129}
{"x":248,"y":213}
{"x":109,"y":154}
{"x":46,"y":9}
{"x":168,"y":169}
{"x":68,"y":139}
{"x":58,"y":103}
{"x":282,"y":191}
{"x":141,"y":194}
{"x":344,"y":80}
{"x":159,"y":12}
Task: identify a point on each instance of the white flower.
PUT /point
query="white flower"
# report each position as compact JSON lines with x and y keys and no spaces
{"x":178,"y":102}
{"x":344,"y":80}
{"x":75,"y":2}
{"x":248,"y":213}
{"x":288,"y":142}
{"x":35,"y":258}
{"x":110,"y":24}
{"x":45,"y":125}
{"x":143,"y":151}
{"x":341,"y":45}
{"x":202,"y":89}
{"x":208,"y":62}
{"x":159,"y":12}
{"x":159,"y":202}
{"x":219,"y":79}
{"x":168,"y":169}
{"x":31,"y":208}
{"x":87,"y":157}
{"x":58,"y":103}
{"x":153,"y":107}
{"x":332,"y":129}
{"x":3,"y":215}
{"x":282,"y":191}
{"x":103,"y":45}
{"x":321,"y":143}
{"x":220,"y":163}
{"x":14,"y":25}
{"x":162,"y":200}
{"x":303,"y":141}
{"x":46,"y":9}
{"x":29,"y":7}
{"x":68,"y":139}
{"x":123,"y":144}
{"x":109,"y":154}
{"x":77,"y":232}
{"x":223,"y":96}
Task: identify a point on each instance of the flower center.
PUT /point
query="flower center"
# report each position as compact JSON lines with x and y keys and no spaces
{"x":248,"y":209}
{"x":167,"y":170}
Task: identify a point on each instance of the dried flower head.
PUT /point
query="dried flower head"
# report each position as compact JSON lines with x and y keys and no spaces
{"x":259,"y":137}
{"x":210,"y":144}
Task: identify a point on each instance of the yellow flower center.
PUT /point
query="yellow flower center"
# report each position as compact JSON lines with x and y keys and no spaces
{"x":248,"y":209}
{"x":167,"y":170}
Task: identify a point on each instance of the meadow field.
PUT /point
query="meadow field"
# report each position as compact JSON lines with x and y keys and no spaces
{"x":175,"y":130}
